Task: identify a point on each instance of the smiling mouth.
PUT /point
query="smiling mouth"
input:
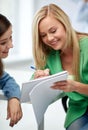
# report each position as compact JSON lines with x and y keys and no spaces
{"x":55,"y":42}
{"x":5,"y":52}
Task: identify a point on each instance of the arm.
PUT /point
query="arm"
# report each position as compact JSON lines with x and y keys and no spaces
{"x":72,"y":86}
{"x":9,"y":86}
{"x":79,"y":87}
{"x":12,"y":91}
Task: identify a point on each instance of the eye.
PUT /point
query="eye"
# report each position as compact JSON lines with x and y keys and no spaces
{"x":53,"y":31}
{"x":3,"y":43}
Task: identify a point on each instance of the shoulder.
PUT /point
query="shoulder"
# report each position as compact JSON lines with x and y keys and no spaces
{"x":5,"y":76}
{"x":7,"y":79}
{"x":83,"y":43}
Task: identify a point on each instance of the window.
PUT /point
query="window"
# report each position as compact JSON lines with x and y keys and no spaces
{"x":20,"y":13}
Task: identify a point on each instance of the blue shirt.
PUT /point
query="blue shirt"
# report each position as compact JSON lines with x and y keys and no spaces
{"x":9,"y":86}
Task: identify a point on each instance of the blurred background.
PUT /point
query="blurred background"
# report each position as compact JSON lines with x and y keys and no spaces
{"x":20,"y":13}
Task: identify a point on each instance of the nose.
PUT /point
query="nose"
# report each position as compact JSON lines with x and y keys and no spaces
{"x":9,"y":45}
{"x":50,"y":37}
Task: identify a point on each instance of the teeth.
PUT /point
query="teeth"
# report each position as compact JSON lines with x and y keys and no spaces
{"x":53,"y":43}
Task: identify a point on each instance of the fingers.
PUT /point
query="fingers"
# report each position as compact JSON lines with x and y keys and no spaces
{"x":66,"y":86}
{"x":46,"y":71}
{"x":13,"y":120}
{"x":61,"y":85}
{"x":15,"y":117}
{"x":41,"y":73}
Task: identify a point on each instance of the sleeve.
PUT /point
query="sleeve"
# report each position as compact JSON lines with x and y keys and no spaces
{"x":84,"y":60}
{"x":9,"y":86}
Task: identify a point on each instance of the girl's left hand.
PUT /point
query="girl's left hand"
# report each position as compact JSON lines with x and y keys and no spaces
{"x":66,"y":86}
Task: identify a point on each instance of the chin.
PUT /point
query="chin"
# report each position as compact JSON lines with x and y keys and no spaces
{"x":56,"y":48}
{"x":5,"y":56}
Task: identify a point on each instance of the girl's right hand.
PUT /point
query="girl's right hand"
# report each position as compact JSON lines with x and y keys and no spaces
{"x":41,"y":73}
{"x":14,"y":111}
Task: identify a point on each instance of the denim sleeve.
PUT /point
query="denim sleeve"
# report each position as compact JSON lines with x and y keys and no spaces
{"x":9,"y":86}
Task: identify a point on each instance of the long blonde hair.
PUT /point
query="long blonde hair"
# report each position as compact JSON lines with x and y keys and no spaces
{"x":40,"y":50}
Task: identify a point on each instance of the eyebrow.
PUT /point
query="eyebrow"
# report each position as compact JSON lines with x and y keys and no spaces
{"x":3,"y":39}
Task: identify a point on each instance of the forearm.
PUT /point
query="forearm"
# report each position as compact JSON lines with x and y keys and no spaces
{"x":81,"y":88}
{"x":9,"y":86}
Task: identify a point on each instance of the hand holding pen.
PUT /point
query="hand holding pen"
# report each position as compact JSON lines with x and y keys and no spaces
{"x":40,"y":73}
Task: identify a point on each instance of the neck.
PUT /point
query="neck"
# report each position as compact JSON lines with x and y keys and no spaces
{"x":67,"y":52}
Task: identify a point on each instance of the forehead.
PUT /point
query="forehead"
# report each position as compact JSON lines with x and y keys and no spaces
{"x":48,"y":22}
{"x":48,"y":19}
{"x":6,"y":34}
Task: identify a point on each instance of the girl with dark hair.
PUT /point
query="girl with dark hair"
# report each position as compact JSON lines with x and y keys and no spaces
{"x":7,"y":83}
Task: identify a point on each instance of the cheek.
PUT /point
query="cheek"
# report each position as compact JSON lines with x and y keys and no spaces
{"x":0,"y":54}
{"x":1,"y":49}
{"x":62,"y":34}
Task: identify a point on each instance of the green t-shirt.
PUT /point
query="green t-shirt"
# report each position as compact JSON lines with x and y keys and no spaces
{"x":78,"y":103}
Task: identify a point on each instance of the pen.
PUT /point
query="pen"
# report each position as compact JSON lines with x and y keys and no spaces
{"x":32,"y":67}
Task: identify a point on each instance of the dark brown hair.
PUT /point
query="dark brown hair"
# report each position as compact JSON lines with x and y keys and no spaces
{"x":1,"y":68}
{"x":4,"y":25}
